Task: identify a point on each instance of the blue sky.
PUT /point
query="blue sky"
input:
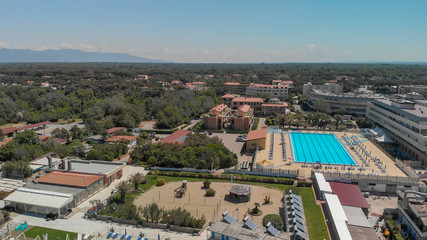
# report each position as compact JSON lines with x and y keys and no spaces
{"x":223,"y":31}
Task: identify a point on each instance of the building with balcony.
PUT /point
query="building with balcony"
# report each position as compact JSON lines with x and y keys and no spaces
{"x":282,"y":82}
{"x":221,"y":116}
{"x":274,"y":106}
{"x":216,"y":117}
{"x":271,"y":90}
{"x":406,"y":123}
{"x":242,"y":118}
{"x":254,"y":103}
{"x":412,"y":212}
{"x":235,"y":87}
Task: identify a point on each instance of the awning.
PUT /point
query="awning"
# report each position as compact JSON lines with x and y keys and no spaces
{"x":40,"y":198}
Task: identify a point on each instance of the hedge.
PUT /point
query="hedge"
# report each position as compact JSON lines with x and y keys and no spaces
{"x":255,"y":124}
{"x":304,"y":184}
{"x":237,"y":132}
{"x":236,"y":177}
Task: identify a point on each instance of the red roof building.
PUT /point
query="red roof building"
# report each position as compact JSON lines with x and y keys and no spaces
{"x":36,"y":126}
{"x":349,"y":194}
{"x":114,"y":129}
{"x":8,"y":130}
{"x":69,"y":179}
{"x":176,"y":137}
{"x":256,"y":138}
{"x":257,"y":134}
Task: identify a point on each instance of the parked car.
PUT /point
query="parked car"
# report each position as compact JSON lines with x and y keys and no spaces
{"x":51,"y":216}
{"x":241,"y":139}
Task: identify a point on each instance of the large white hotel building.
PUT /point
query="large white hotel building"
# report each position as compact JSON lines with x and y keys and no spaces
{"x":405,"y":121}
{"x":329,"y":98}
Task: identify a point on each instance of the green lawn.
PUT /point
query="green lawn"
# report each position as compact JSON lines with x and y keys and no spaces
{"x":52,"y":233}
{"x":313,"y":213}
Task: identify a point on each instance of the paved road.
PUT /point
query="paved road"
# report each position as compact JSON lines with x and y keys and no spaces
{"x":51,"y":127}
{"x":192,"y":123}
{"x":261,"y":123}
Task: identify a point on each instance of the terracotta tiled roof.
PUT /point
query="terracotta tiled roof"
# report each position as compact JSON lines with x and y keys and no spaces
{"x":175,"y":137}
{"x":8,"y":130}
{"x":227,"y":96}
{"x":219,"y":107}
{"x":114,"y":129}
{"x":244,"y":108}
{"x":257,"y":134}
{"x":69,"y":179}
{"x":5,"y":141}
{"x":244,"y":99}
{"x":232,"y":83}
{"x":33,"y":125}
{"x":118,"y":138}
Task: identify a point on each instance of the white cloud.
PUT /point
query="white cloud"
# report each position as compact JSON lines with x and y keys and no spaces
{"x":4,"y":44}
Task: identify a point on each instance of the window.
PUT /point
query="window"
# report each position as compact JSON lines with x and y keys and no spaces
{"x":372,"y":184}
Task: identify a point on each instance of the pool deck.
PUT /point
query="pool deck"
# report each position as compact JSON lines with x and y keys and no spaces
{"x":278,"y":162}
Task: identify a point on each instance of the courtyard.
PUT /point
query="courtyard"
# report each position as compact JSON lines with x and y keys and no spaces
{"x":194,"y":200}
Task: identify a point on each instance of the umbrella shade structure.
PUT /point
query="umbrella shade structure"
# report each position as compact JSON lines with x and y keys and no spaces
{"x":265,"y":162}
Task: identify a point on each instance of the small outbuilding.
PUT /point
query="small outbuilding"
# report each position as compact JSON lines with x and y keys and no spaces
{"x":39,"y":202}
{"x":239,"y":191}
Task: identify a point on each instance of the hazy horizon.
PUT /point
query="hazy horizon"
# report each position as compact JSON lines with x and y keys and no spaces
{"x":223,"y":31}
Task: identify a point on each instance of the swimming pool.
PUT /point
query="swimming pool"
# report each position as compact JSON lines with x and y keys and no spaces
{"x":316,"y":147}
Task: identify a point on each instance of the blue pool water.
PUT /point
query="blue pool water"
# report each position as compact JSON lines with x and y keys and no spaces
{"x":323,"y":148}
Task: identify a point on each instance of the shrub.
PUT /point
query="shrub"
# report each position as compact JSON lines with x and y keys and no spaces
{"x":160,"y":182}
{"x":210,"y":192}
{"x":256,"y":210}
{"x":206,"y":183}
{"x":237,"y":177}
{"x":267,"y":200}
{"x":304,"y":184}
{"x":275,"y":220}
{"x":183,"y":218}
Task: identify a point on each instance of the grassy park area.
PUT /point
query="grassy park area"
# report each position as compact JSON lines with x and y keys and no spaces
{"x":52,"y":233}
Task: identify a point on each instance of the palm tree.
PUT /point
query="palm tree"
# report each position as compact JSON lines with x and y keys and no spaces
{"x":256,"y":208}
{"x":123,"y":187}
{"x":136,"y":179}
{"x":338,"y":120}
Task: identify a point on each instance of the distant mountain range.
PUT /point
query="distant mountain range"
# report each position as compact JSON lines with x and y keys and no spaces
{"x":68,"y":55}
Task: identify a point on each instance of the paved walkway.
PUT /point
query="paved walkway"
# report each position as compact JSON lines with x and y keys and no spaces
{"x":106,"y":192}
{"x":261,"y":123}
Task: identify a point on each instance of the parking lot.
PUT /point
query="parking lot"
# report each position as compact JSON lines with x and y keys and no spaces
{"x":229,"y":140}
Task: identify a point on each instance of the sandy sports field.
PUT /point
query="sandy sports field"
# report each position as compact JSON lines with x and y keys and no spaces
{"x":212,"y":207}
